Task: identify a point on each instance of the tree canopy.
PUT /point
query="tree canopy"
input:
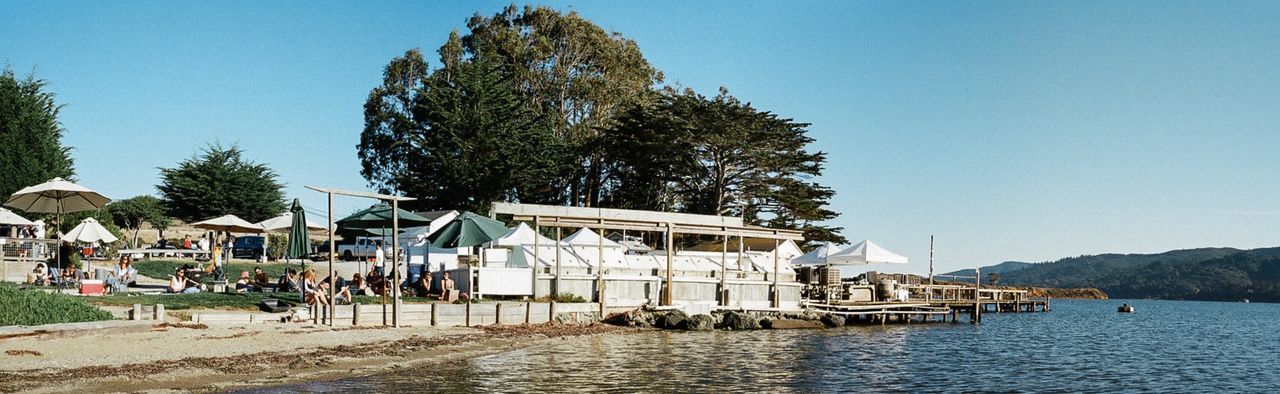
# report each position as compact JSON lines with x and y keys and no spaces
{"x":717,"y":156}
{"x":131,"y":212}
{"x":31,"y":150}
{"x":220,"y":181}
{"x":536,"y":105}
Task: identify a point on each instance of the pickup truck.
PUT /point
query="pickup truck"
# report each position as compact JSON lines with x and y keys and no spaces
{"x":362,"y":248}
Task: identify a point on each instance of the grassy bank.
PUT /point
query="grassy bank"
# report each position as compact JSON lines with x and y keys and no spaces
{"x":161,"y":269}
{"x":29,"y":307}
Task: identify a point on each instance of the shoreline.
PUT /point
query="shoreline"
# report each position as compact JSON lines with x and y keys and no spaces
{"x":273,"y":355}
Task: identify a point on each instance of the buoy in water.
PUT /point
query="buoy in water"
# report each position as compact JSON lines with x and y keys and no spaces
{"x":1126,"y":308}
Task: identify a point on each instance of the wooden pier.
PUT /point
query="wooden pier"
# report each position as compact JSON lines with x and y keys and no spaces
{"x":943,"y":303}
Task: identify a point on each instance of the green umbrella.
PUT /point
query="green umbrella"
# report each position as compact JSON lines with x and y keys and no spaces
{"x":298,"y":247}
{"x":372,"y":221}
{"x":467,"y":230}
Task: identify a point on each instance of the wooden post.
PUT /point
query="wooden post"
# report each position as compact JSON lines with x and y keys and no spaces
{"x":534,"y":264}
{"x":158,"y":313}
{"x":777,"y":268}
{"x":137,"y":312}
{"x":977,"y":295}
{"x":600,"y":269}
{"x":929,"y":296}
{"x":528,"y":306}
{"x":497,"y":314}
{"x":551,"y":308}
{"x":355,"y":314}
{"x":433,"y":314}
{"x":555,"y":290}
{"x":468,"y":320}
{"x":395,"y":265}
{"x":667,"y":294}
{"x":724,"y":270}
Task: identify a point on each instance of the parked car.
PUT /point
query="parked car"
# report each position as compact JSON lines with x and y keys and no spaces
{"x":319,"y":251}
{"x":363,"y":248}
{"x":248,"y":247}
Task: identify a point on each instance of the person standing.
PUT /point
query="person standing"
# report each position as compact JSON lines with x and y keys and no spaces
{"x":379,"y":259}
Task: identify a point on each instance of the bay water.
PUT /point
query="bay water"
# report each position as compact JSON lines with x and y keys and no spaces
{"x":1079,"y":346}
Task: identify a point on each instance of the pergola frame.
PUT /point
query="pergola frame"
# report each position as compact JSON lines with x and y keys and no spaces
{"x":395,"y":250}
{"x":668,"y":223}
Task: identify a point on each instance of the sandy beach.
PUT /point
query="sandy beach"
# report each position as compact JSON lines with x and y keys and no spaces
{"x":187,"y":357}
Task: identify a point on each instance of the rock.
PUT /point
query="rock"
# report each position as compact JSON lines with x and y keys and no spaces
{"x":832,"y":320}
{"x":791,"y":324}
{"x":633,"y":318}
{"x":700,"y":323}
{"x":739,"y":321}
{"x":766,"y":323}
{"x":674,"y":319}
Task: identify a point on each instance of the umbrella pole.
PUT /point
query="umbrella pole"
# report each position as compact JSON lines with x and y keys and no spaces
{"x":395,"y":261}
{"x":333,"y":282}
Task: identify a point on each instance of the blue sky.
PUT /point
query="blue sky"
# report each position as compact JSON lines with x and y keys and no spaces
{"x":1010,"y":130}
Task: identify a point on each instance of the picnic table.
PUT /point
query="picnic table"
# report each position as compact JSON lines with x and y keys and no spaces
{"x":149,"y":253}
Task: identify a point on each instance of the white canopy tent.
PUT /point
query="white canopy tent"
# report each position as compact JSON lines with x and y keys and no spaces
{"x":866,"y":252}
{"x":820,"y":255}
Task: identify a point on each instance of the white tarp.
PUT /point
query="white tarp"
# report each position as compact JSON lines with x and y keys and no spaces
{"x":866,"y":252}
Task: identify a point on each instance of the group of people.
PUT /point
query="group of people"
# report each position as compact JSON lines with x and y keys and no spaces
{"x":27,"y":249}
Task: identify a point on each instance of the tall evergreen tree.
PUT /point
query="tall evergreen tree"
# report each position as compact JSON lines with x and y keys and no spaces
{"x":31,"y":150}
{"x":221,"y":181}
{"x":718,"y":156}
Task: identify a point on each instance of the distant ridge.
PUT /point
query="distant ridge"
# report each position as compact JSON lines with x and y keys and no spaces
{"x":1209,"y":274}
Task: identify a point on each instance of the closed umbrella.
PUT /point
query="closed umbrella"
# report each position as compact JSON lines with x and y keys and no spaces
{"x":297,"y":247}
{"x":57,"y":196}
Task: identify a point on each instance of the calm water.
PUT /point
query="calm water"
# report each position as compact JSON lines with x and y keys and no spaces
{"x":1167,"y":346}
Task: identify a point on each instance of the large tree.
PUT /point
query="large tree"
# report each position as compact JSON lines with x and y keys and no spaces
{"x":718,"y":156}
{"x":459,"y":138}
{"x":220,"y":181}
{"x":31,"y":148}
{"x":572,"y":71}
{"x":131,"y":212}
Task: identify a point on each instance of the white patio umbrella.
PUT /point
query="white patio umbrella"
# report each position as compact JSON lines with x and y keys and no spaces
{"x":57,"y":196}
{"x":231,"y":224}
{"x":866,"y":252}
{"x":89,"y":230}
{"x":283,"y":222}
{"x":12,"y":219}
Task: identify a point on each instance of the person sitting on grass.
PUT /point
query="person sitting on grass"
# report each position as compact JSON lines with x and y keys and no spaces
{"x":313,"y":294}
{"x":261,"y":281}
{"x":39,"y":276}
{"x":288,"y":281}
{"x":178,"y":283}
{"x":447,"y":290}
{"x":357,"y":285}
{"x":424,"y":285}
{"x":342,"y":290}
{"x":71,"y":274}
{"x":242,"y":284}
{"x":121,"y":277}
{"x":377,"y":283}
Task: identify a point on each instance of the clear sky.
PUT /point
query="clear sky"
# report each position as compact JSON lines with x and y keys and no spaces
{"x":1010,"y":130}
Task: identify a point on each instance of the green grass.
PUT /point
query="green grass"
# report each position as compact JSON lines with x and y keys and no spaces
{"x":161,"y":269}
{"x":29,"y":307}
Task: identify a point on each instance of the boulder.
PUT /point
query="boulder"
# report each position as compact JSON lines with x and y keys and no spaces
{"x":674,"y":319}
{"x":832,"y":320}
{"x":739,"y":321}
{"x":700,"y":323}
{"x":633,"y":318}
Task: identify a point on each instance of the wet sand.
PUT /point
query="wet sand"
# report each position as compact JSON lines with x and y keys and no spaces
{"x":199,"y":358}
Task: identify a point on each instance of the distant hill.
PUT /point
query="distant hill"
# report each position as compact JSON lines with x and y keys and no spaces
{"x":1001,"y":268}
{"x":1211,"y":274}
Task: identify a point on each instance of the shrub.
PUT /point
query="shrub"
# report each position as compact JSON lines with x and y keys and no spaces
{"x":562,"y":297}
{"x":29,"y":307}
